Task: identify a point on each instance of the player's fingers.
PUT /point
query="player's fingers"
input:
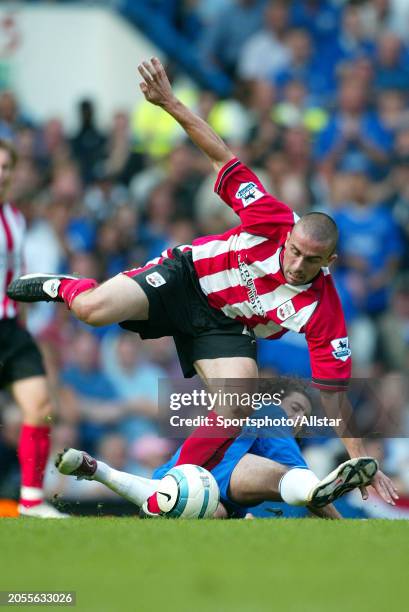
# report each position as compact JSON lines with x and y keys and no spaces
{"x":157,"y":64}
{"x":150,"y":69}
{"x":390,"y":490}
{"x":383,"y":492}
{"x":144,"y":74}
{"x":144,"y":88}
{"x":364,"y":493}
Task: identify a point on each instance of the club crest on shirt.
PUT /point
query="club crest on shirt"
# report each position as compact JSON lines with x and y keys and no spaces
{"x":155,"y":279}
{"x":341,"y":348}
{"x":285,"y":310}
{"x":248,"y":193}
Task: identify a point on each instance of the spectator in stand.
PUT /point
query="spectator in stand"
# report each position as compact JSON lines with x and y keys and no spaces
{"x":353,"y":42}
{"x":319,"y":17}
{"x":305,"y":67}
{"x":399,"y":185}
{"x":26,"y":186}
{"x":148,"y":452}
{"x":359,"y":69}
{"x":210,"y":11}
{"x":121,"y":162}
{"x":369,"y":248}
{"x":288,"y":169}
{"x":379,"y":16}
{"x":353,"y":132}
{"x":160,"y":209}
{"x":104,"y":196}
{"x":295,"y":109}
{"x":88,"y":144}
{"x":54,"y":148}
{"x":108,"y":249}
{"x":392,"y":109}
{"x":265,"y":52}
{"x":394,"y":328}
{"x":11,"y":119}
{"x":391,"y":69}
{"x":185,"y":173}
{"x":89,"y":390}
{"x":135,"y":379}
{"x":221,"y":44}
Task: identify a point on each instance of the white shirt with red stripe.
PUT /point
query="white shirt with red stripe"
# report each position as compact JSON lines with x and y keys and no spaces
{"x":240,"y":272}
{"x":12,"y":230}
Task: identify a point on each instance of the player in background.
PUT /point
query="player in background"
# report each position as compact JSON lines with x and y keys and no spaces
{"x":262,"y":278}
{"x":21,"y":366}
{"x":255,"y":468}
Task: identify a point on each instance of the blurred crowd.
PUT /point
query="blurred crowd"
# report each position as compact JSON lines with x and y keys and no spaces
{"x":320,"y":112}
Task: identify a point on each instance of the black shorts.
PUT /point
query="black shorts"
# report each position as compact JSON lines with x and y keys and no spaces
{"x":19,"y":355}
{"x":179,"y":308}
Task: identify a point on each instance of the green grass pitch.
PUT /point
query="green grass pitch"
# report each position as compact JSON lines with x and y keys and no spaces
{"x":153,"y":565}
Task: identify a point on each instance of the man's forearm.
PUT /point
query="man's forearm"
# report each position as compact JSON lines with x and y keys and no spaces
{"x":200,"y":133}
{"x":336,"y":405}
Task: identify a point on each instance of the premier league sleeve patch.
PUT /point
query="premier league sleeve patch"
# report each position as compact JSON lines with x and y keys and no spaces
{"x":248,"y":193}
{"x":341,"y":348}
{"x":155,"y":279}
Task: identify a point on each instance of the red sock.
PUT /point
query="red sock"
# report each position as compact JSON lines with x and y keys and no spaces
{"x":70,"y":288}
{"x":33,"y":451}
{"x":207,"y":445}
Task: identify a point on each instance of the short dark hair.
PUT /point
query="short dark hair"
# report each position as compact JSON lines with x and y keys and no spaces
{"x":285,"y":385}
{"x":320,"y":227}
{"x":7,"y":145}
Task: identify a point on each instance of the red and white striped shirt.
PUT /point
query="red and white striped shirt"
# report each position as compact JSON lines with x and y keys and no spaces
{"x":240,"y":273}
{"x":12,"y":229}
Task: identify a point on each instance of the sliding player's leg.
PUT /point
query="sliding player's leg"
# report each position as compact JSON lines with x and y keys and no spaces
{"x":136,"y":489}
{"x":256,"y":479}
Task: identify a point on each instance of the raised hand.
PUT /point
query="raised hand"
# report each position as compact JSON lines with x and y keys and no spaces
{"x":155,"y":85}
{"x":384,"y":488}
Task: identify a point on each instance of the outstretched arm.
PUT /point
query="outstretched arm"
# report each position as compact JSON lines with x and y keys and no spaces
{"x":157,"y":89}
{"x":336,"y":405}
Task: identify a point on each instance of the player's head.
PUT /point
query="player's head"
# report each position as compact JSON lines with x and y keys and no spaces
{"x":296,"y":402}
{"x":8,"y":160}
{"x":293,"y":392}
{"x":309,"y":247}
{"x":294,"y":397}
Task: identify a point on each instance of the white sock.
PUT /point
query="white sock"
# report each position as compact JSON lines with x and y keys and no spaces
{"x":133,"y":488}
{"x":296,"y":485}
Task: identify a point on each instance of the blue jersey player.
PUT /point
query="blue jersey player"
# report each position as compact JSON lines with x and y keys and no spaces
{"x":259,"y":466}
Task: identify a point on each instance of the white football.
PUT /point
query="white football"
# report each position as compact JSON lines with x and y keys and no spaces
{"x":188,"y":491}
